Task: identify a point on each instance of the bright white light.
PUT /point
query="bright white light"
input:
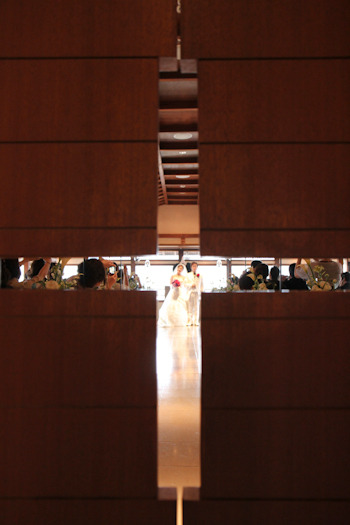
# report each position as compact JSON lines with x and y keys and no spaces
{"x":182,"y":152}
{"x":182,"y":176}
{"x":182,"y":136}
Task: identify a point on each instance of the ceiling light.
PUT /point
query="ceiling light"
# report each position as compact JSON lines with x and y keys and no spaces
{"x":182,"y":185}
{"x":182,"y":136}
{"x":182,"y":176}
{"x":182,"y":152}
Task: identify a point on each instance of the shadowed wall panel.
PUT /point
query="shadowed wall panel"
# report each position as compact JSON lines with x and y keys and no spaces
{"x":78,"y":100}
{"x":252,"y":512}
{"x":87,"y":28}
{"x":81,"y":198}
{"x":265,"y":28}
{"x":284,"y":199}
{"x":78,"y":404}
{"x":275,"y":405}
{"x":80,"y":195}
{"x":86,"y":512}
{"x":274,"y":101}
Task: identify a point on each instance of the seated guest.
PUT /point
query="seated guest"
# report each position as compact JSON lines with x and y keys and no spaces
{"x":10,"y":273}
{"x":246,"y":281}
{"x":293,"y":283}
{"x":273,"y":282}
{"x":91,"y":274}
{"x":332,"y":270}
{"x":261,"y":270}
{"x":345,"y":281}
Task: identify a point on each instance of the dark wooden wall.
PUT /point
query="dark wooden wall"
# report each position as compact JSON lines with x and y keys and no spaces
{"x":79,"y":124}
{"x":78,"y":168}
{"x":274,"y":129}
{"x":78,"y":409}
{"x":274,"y":137}
{"x":275,"y":409}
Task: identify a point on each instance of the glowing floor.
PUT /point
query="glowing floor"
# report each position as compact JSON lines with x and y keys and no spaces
{"x":178,"y":371}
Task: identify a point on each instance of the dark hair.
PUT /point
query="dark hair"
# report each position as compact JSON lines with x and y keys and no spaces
{"x":291,"y":269}
{"x":346,"y":276}
{"x":274,"y":273}
{"x":9,"y":270}
{"x":36,"y":267}
{"x":262,"y":269}
{"x":92,"y":272}
{"x":245,"y":282}
{"x":255,"y":263}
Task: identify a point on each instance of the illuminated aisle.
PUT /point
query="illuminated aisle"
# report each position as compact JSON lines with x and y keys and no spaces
{"x":178,"y":369}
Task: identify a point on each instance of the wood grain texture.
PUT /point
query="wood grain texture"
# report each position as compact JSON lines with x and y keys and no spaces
{"x":275,"y":198}
{"x":250,"y":512}
{"x":280,"y":350}
{"x":274,"y":101}
{"x":100,"y":185}
{"x":79,"y":100}
{"x":88,"y":512}
{"x":264,"y":28}
{"x":83,"y":453}
{"x":87,"y":28}
{"x":77,"y":361}
{"x":279,"y":243}
{"x":277,"y":454}
{"x":73,"y":242}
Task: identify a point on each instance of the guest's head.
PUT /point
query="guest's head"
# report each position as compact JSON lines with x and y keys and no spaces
{"x":9,"y":270}
{"x":262,"y":269}
{"x":291,"y":269}
{"x":245,"y":282}
{"x":255,"y":263}
{"x":36,"y":267}
{"x":274,"y":273}
{"x":92,"y":273}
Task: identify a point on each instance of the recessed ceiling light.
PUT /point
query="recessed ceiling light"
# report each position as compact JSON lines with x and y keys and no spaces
{"x":182,"y":176}
{"x":182,"y":185}
{"x":182,"y":136}
{"x":182,"y":152}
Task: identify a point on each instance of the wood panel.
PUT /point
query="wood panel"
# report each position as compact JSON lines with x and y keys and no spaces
{"x":114,"y":185}
{"x":78,"y":100}
{"x":273,"y":350}
{"x":274,"y":101}
{"x":82,"y":453}
{"x":284,"y":199}
{"x":264,"y":28}
{"x":251,"y":512}
{"x":42,"y":370}
{"x":37,"y":369}
{"x":275,"y":454}
{"x":271,"y":366}
{"x":87,"y":28}
{"x":87,"y":512}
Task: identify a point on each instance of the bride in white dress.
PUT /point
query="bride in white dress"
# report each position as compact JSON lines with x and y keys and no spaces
{"x":174,"y":309}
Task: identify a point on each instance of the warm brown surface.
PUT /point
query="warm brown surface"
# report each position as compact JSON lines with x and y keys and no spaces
{"x":275,"y":419}
{"x":81,"y":453}
{"x":275,"y":454}
{"x":78,"y":100}
{"x":265,"y":28}
{"x":274,"y":101}
{"x":87,"y":512}
{"x":87,"y":28}
{"x":227,"y":512}
{"x":284,"y":199}
{"x":78,"y":406}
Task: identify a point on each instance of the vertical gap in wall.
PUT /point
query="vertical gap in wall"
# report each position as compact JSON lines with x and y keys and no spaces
{"x":178,"y":348}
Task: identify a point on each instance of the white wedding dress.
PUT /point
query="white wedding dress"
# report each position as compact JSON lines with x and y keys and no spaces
{"x":174,"y":309}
